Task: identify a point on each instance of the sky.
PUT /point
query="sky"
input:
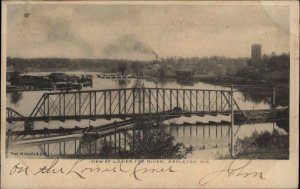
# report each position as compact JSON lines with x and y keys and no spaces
{"x":140,"y":31}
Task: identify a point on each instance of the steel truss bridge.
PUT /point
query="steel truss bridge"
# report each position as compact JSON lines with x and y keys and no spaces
{"x":125,"y":103}
{"x":131,"y":104}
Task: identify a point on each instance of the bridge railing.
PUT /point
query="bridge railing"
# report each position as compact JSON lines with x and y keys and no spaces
{"x":129,"y":102}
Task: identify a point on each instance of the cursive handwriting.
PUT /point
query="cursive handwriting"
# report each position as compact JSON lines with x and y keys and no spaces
{"x":79,"y":170}
{"x":231,"y":170}
{"x":18,"y":168}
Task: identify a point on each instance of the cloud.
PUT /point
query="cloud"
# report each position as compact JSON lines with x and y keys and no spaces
{"x":134,"y":31}
{"x":62,"y":31}
{"x":53,"y":30}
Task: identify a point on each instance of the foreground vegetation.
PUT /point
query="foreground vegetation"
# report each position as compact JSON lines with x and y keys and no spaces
{"x":147,"y":143}
{"x":263,"y":145}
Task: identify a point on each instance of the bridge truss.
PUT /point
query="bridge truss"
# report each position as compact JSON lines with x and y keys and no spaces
{"x":125,"y":103}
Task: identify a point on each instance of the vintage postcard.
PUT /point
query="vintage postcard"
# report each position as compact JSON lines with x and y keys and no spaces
{"x":149,"y":94}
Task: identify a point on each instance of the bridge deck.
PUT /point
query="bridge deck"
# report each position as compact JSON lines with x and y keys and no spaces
{"x":239,"y":115}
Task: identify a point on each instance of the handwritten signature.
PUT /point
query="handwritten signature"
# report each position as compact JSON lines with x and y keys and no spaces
{"x":76,"y":169}
{"x":232,"y":170}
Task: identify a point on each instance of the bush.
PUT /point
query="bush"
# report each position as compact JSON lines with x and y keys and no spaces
{"x":263,"y":145}
{"x":149,"y":143}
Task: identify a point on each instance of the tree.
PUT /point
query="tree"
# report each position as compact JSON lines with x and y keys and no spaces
{"x":263,"y":145}
{"x":122,"y":67}
{"x":14,"y":77}
{"x":137,"y":67}
{"x":148,"y":143}
{"x":162,"y":71}
{"x":16,"y":97}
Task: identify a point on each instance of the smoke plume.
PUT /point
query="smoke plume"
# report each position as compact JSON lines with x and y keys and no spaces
{"x":127,"y":45}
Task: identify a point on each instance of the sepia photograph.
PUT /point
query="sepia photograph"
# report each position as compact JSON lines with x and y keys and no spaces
{"x":136,"y":80}
{"x":123,"y":81}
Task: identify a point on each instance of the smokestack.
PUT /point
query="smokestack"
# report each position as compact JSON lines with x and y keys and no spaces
{"x":156,"y":56}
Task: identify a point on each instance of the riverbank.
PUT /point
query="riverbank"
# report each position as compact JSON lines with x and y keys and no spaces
{"x":53,"y":81}
{"x":242,"y":82}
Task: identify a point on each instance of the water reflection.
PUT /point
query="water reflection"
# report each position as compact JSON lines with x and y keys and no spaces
{"x":146,"y":141}
{"x":159,"y":82}
{"x":202,"y":136}
{"x":185,"y":82}
{"x":16,"y":97}
{"x":265,"y":95}
{"x":257,"y":98}
{"x":122,"y":83}
{"x":152,"y":141}
{"x":199,"y":141}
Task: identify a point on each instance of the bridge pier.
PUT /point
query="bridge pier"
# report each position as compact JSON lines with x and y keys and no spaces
{"x":119,"y":143}
{"x":232,"y":121}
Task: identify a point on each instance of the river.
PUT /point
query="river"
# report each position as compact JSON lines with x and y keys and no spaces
{"x":208,"y":142}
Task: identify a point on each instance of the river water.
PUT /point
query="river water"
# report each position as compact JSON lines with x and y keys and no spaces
{"x":209,"y":142}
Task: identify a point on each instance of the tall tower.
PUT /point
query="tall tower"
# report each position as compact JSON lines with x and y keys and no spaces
{"x":256,"y":53}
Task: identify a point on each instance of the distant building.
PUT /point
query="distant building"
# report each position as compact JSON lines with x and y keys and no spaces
{"x":185,"y":72}
{"x":255,"y":52}
{"x":153,"y":67}
{"x":256,"y":58}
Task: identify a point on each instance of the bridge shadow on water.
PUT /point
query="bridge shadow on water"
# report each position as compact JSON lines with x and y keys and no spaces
{"x":156,"y":142}
{"x":144,"y":141}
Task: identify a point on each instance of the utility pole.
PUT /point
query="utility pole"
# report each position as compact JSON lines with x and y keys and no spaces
{"x":232,"y":122}
{"x":273,"y":100}
{"x":273,"y":107}
{"x":115,"y":138}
